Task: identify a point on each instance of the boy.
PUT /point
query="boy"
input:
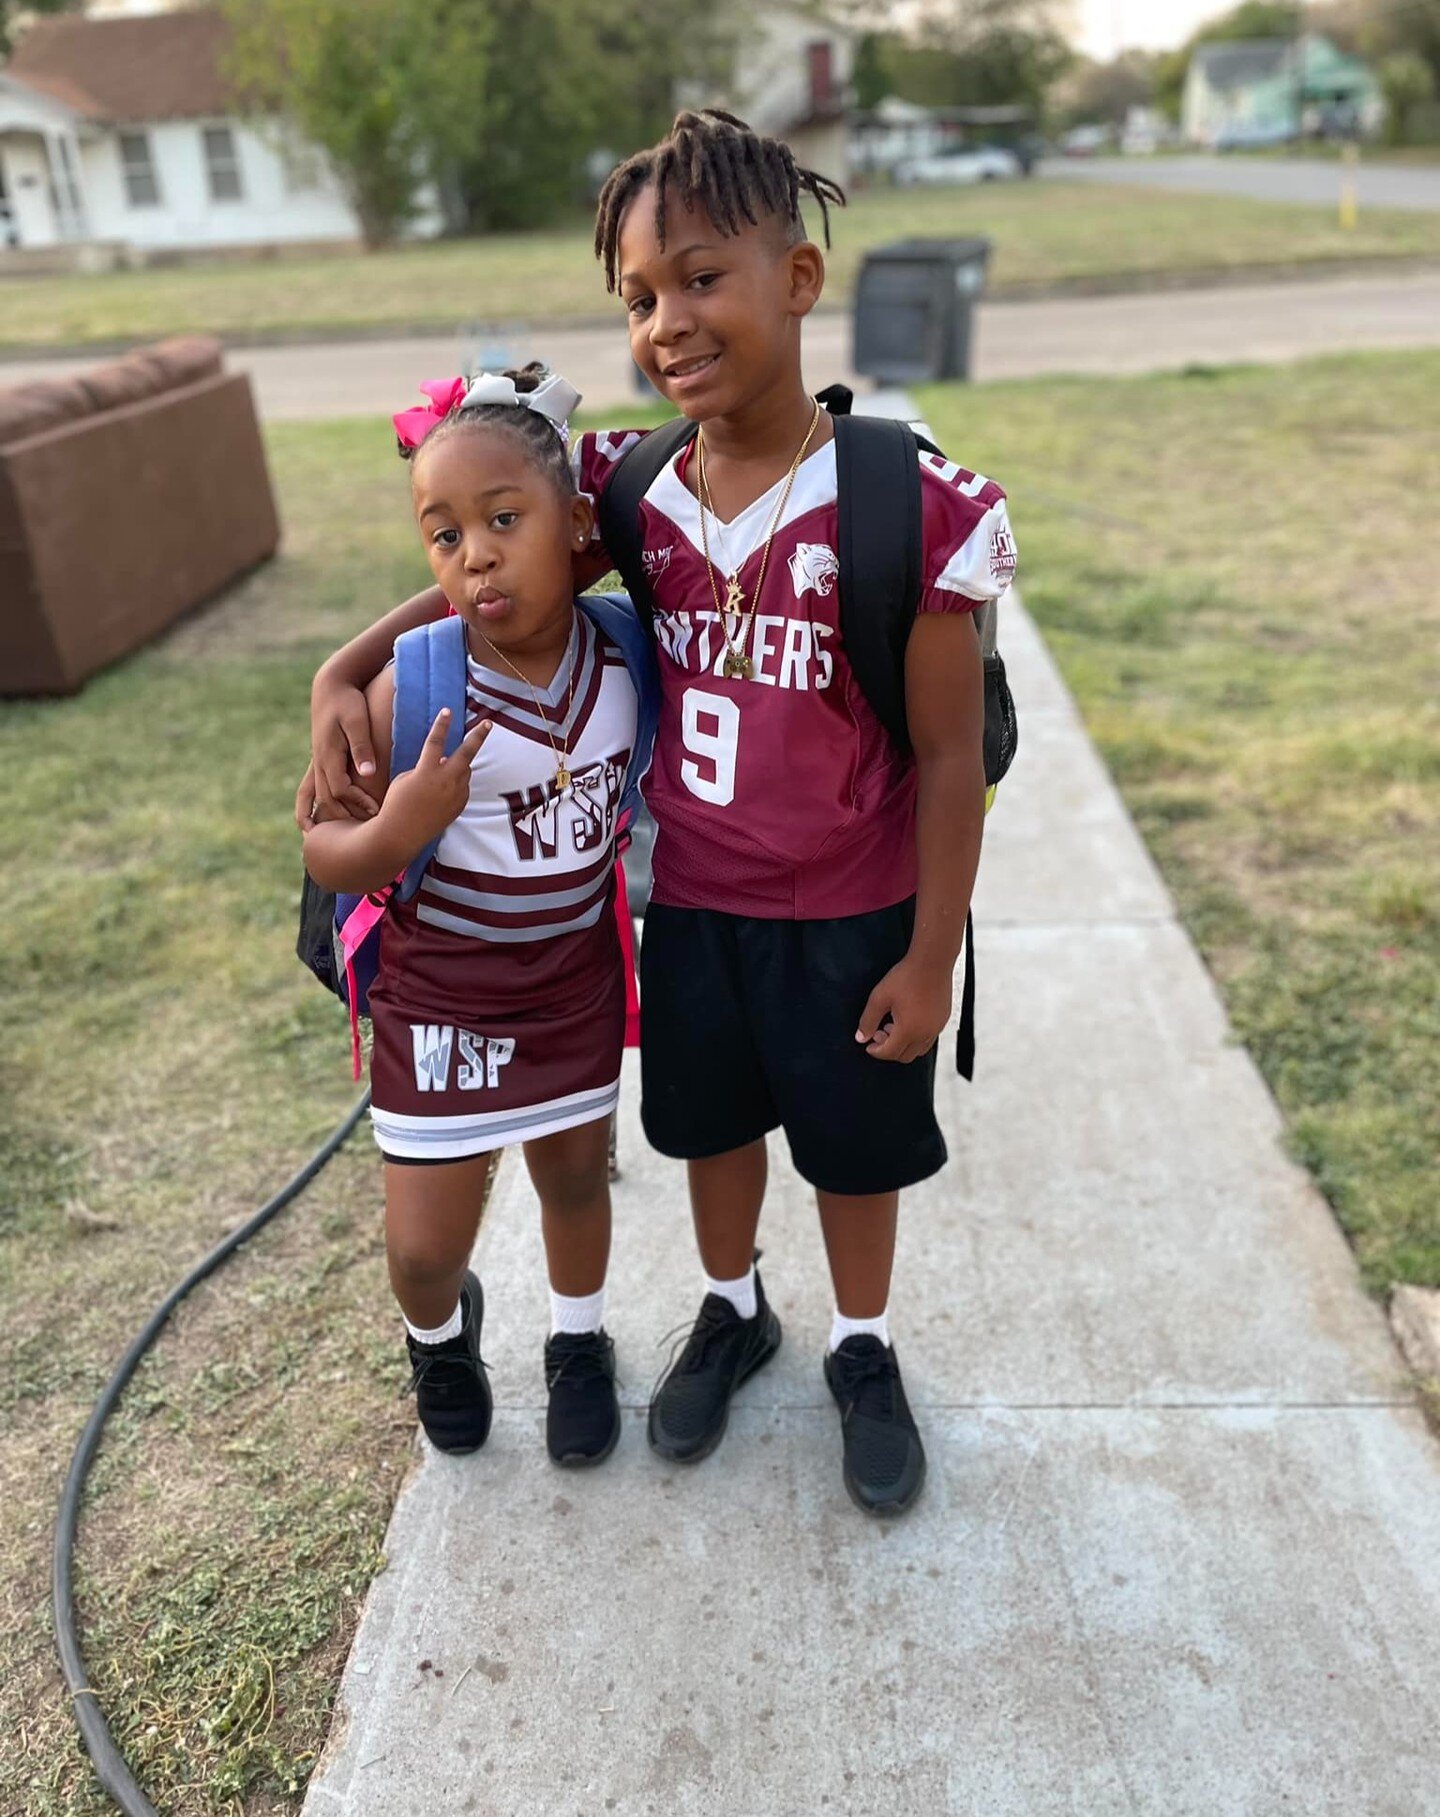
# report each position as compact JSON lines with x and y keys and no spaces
{"x":811,"y":878}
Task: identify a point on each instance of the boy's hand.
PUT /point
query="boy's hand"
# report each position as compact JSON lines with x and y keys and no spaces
{"x":424,"y":801}
{"x":339,"y":742}
{"x":917,"y":1000}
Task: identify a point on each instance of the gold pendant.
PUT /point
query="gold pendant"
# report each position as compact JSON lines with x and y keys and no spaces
{"x":738,"y":666}
{"x":562,"y":779}
{"x":734,"y":598}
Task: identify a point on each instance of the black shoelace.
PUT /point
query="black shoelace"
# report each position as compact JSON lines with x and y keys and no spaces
{"x":690,"y":1343}
{"x":868,"y":1382}
{"x":583,"y":1362}
{"x":716,"y":1318}
{"x":456,"y":1365}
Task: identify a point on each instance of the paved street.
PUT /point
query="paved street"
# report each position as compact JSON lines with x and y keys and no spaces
{"x":1266,"y":179}
{"x":1142,"y":332}
{"x":1179,"y":1553}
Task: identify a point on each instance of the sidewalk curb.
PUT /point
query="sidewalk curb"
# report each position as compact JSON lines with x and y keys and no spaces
{"x":1415,"y":1320}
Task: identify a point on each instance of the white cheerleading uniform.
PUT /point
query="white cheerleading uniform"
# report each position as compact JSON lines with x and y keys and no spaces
{"x":499,"y":1009}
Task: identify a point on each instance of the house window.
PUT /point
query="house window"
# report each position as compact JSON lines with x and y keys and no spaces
{"x":301,"y":163}
{"x":222,"y":164}
{"x":141,"y":188}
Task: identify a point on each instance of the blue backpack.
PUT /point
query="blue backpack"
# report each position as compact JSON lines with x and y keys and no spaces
{"x":340,"y":933}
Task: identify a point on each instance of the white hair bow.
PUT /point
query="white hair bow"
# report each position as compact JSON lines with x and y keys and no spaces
{"x":554,"y":398}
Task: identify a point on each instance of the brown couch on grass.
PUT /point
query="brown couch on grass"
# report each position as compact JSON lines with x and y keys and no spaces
{"x":127,"y":496}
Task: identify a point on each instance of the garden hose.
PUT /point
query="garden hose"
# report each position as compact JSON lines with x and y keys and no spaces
{"x":109,"y":1762}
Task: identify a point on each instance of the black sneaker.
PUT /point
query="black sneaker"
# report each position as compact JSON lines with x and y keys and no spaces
{"x":884,"y":1459}
{"x":582,"y":1426}
{"x":690,"y":1408}
{"x":449,"y":1380}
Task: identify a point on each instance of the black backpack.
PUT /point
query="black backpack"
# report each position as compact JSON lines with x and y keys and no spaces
{"x":880,"y":558}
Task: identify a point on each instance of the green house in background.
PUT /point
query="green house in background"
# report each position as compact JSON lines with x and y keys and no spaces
{"x":1263,"y":91}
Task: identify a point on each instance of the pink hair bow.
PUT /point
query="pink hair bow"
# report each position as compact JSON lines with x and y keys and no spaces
{"x":445,"y":395}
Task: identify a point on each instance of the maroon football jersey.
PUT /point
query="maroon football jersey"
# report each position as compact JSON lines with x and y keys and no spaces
{"x":782,"y":795}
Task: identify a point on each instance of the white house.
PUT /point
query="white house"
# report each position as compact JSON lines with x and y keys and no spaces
{"x":118,"y":133}
{"x":1258,"y":91}
{"x":120,"y":129}
{"x":792,"y":78}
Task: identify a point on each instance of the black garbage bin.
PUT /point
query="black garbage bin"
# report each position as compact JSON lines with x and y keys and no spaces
{"x":914,"y":306}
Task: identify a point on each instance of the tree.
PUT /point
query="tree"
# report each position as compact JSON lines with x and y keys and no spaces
{"x":1254,"y":19}
{"x":500,"y":103}
{"x":386,"y":87}
{"x":1408,"y":83}
{"x":1384,"y":29}
{"x":13,"y":14}
{"x":576,"y":81}
{"x":1092,"y":92}
{"x":968,"y":53}
{"x":869,"y":75}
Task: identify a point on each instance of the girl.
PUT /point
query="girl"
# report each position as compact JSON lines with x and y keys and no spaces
{"x":499,"y":1006}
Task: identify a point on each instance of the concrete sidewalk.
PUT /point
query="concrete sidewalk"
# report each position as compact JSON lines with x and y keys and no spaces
{"x":1180,"y":1548}
{"x":1142,"y":332}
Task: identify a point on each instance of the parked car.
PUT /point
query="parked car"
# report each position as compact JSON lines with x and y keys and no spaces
{"x":1253,"y":138}
{"x":1085,"y":141}
{"x":962,"y":164}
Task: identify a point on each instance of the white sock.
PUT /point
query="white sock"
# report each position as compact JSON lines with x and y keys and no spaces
{"x":741,"y":1293}
{"x":858,"y":1328}
{"x":585,"y":1312}
{"x":450,"y":1329}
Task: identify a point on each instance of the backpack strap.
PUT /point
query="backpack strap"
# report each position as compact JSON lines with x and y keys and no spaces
{"x":880,"y":557}
{"x":429,"y":674}
{"x":618,"y":507}
{"x":616,"y":618}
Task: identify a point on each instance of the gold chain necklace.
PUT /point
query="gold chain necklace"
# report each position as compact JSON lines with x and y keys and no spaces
{"x":738,"y":665}
{"x":562,"y":752}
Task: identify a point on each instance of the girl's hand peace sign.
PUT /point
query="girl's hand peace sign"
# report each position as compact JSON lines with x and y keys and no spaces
{"x":423,"y":801}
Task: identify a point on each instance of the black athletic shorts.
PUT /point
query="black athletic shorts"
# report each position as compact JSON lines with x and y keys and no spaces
{"x":748,"y":1025}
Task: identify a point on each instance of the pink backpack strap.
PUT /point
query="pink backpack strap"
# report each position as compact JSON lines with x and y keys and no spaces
{"x":352,"y":934}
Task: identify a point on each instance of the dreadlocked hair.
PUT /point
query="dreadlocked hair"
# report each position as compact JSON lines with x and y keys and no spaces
{"x":716,"y":162}
{"x":542,"y":447}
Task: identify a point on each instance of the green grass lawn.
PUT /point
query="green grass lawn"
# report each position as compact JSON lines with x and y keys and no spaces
{"x":1236,"y":572}
{"x":1044,"y":233}
{"x":1234,"y":569}
{"x":165,"y":1064}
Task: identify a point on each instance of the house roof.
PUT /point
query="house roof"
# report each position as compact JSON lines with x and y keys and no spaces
{"x":1242,"y":62}
{"x":22,"y":103}
{"x":150,"y":66}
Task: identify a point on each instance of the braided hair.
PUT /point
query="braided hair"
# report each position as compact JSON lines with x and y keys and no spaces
{"x":542,"y":447}
{"x":713,"y":161}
